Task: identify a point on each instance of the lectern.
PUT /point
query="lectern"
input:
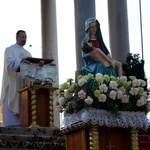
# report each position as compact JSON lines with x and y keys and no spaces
{"x":36,"y":106}
{"x":36,"y":94}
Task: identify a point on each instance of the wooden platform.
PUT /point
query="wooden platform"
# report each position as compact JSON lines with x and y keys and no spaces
{"x":88,"y":137}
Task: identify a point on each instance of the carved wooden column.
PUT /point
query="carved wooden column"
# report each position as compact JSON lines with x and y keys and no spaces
{"x":33,"y":109}
{"x":134,"y":139}
{"x":94,"y":138}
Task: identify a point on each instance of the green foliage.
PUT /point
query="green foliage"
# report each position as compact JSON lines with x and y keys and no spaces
{"x":134,"y":66}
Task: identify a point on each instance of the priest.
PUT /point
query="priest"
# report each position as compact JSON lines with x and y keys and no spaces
{"x":11,"y":81}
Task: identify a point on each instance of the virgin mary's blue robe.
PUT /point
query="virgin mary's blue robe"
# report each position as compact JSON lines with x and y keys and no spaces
{"x":92,"y":66}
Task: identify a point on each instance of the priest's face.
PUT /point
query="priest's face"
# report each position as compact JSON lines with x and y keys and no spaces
{"x":93,"y":28}
{"x":21,"y":39}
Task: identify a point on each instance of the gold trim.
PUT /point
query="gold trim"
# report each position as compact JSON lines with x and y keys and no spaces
{"x":94,"y":138}
{"x":74,"y":127}
{"x":51,"y":114}
{"x":134,"y":139}
{"x":33,"y":109}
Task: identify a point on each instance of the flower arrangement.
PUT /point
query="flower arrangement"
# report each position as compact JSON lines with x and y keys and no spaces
{"x":99,"y":91}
